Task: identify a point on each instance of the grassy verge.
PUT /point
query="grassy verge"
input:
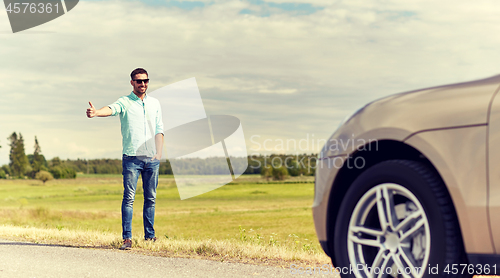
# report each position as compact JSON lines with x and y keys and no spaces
{"x":248,"y":221}
{"x":227,"y":250}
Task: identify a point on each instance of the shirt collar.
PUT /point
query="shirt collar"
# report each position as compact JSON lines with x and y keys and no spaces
{"x":134,"y":97}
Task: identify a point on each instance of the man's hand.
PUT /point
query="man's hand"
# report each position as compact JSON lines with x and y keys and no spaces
{"x":157,"y":157}
{"x":91,"y":112}
{"x":103,"y":112}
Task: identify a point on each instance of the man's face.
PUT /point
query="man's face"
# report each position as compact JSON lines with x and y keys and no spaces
{"x":140,"y":87}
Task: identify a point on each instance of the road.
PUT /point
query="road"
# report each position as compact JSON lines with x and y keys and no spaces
{"x":23,"y":259}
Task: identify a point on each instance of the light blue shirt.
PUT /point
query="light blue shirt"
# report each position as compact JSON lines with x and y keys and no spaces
{"x":140,"y":121}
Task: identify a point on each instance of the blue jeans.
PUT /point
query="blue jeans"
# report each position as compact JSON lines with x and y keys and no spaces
{"x":132,"y":167}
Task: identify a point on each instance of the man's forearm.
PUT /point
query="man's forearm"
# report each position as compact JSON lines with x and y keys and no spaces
{"x":159,"y":144}
{"x":104,"y":112}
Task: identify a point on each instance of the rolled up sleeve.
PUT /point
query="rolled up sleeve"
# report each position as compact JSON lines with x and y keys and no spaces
{"x":117,"y":107}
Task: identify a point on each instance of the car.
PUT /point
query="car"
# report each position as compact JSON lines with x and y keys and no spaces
{"x":409,"y":185}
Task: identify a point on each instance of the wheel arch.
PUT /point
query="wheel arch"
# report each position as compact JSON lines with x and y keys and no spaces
{"x":371,"y":154}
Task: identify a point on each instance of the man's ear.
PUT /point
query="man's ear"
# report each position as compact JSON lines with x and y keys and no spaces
{"x":132,"y":82}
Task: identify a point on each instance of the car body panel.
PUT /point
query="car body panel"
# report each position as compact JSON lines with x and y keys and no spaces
{"x":326,"y":172}
{"x":494,"y":170}
{"x":349,"y":141}
{"x":450,"y":152}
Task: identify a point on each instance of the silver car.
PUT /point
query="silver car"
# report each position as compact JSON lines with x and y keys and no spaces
{"x":409,"y":186}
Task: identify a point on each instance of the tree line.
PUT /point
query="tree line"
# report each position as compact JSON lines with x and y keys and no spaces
{"x":276,"y":166}
{"x":286,"y":164}
{"x":33,"y":165}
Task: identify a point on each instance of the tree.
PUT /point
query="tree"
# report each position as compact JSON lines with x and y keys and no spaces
{"x":60,"y":170}
{"x":6,"y":169}
{"x":38,"y":161}
{"x":17,"y":156}
{"x":293,"y":168}
{"x":63,"y":172}
{"x":56,"y":161}
{"x":279,"y":172}
{"x":266,"y":172}
{"x":44,"y":176}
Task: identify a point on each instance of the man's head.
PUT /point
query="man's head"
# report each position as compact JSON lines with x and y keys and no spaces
{"x":139,"y":81}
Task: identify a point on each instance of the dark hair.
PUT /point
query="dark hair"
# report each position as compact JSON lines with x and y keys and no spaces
{"x":138,"y":71}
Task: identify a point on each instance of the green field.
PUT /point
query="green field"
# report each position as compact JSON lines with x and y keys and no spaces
{"x":251,"y":209}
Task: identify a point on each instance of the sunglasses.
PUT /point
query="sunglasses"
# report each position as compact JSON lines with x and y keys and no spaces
{"x":139,"y":81}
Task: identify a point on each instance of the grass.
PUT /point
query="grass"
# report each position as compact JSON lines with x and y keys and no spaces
{"x":228,"y":250}
{"x":251,"y":220}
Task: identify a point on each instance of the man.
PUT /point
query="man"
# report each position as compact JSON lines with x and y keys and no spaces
{"x":142,"y":140}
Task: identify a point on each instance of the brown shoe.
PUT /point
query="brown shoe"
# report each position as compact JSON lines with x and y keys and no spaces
{"x":153,"y":239}
{"x":127,"y":244}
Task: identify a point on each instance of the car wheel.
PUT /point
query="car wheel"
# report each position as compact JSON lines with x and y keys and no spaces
{"x":397,"y":220}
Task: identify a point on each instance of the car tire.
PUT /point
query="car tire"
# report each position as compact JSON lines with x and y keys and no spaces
{"x":397,"y":220}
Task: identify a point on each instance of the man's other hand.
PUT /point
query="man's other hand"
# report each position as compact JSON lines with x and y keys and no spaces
{"x":157,"y":157}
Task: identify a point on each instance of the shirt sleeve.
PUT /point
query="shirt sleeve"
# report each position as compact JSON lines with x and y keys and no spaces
{"x":117,"y":107}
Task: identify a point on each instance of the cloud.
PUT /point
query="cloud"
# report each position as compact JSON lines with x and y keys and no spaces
{"x":264,"y":9}
{"x":285,"y":75}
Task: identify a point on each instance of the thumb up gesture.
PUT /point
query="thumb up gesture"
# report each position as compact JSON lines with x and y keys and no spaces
{"x":91,"y":112}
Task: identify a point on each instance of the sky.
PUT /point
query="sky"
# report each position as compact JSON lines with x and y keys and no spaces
{"x":289,"y":70}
